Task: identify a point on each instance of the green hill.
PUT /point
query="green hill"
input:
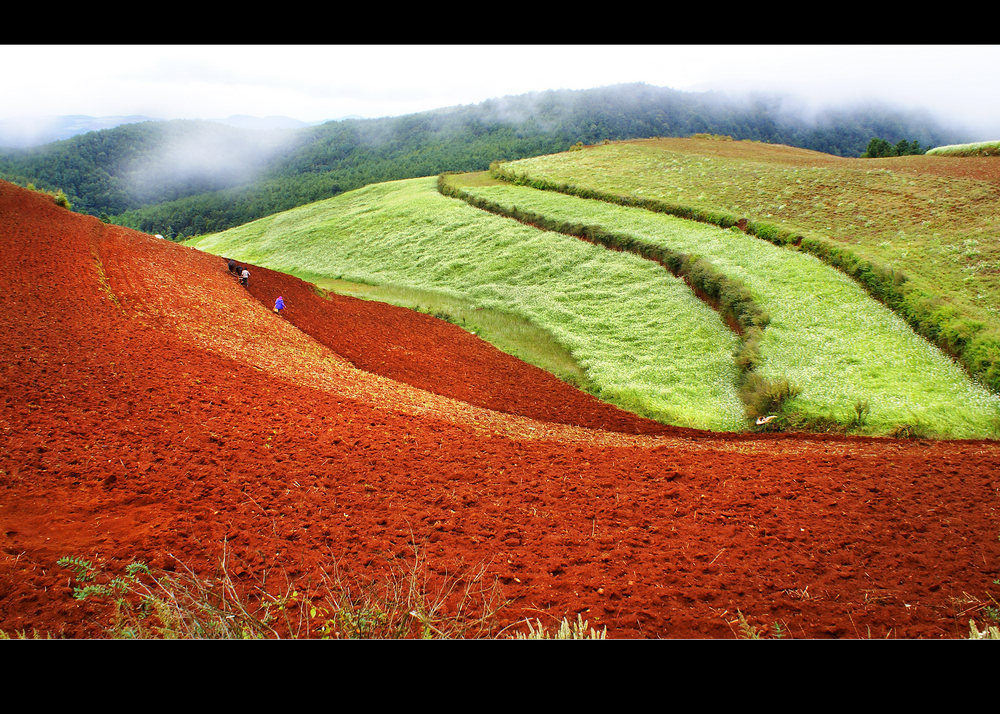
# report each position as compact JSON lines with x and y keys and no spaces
{"x":645,"y":340}
{"x":646,"y":343}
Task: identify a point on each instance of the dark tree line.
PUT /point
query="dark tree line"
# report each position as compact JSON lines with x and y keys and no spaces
{"x":880,"y":148}
{"x":231,"y":176}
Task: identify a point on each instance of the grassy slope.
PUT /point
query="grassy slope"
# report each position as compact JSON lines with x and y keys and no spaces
{"x":826,"y":335}
{"x":508,"y":332}
{"x":646,"y":342}
{"x":907,"y":212}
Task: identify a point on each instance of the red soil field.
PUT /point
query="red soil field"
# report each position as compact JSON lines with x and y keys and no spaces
{"x":153,"y":409}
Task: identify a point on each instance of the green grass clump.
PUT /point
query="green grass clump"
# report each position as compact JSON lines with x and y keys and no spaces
{"x":647,"y":344}
{"x":980,"y":148}
{"x":826,"y":339}
{"x":566,"y":630}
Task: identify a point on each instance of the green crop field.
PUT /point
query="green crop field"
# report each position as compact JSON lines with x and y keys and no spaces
{"x":646,"y":342}
{"x":826,"y":335}
{"x":932,"y":218}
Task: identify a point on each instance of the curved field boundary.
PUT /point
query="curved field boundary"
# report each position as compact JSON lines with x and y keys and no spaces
{"x":406,"y":233}
{"x":726,"y":294}
{"x":857,"y":364}
{"x":977,"y":349}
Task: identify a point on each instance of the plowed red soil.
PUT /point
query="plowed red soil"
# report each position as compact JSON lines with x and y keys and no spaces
{"x":153,"y":409}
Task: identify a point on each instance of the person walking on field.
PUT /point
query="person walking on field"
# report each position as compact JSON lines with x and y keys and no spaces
{"x":245,"y":277}
{"x":279,"y":305}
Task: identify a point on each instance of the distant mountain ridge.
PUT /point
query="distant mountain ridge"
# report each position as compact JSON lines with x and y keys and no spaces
{"x":28,"y":132}
{"x":185,"y":177}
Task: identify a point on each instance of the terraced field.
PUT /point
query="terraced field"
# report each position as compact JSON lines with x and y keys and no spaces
{"x":925,"y":224}
{"x":825,"y":335}
{"x":646,"y":342}
{"x":933,"y":217}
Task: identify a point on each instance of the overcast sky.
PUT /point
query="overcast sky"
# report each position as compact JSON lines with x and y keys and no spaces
{"x":319,"y":82}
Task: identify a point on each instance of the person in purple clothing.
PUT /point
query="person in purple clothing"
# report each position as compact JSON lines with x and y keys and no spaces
{"x":279,"y":305}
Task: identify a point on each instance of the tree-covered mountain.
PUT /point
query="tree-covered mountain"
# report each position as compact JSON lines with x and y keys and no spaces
{"x":134,"y":165}
{"x":183,"y":178}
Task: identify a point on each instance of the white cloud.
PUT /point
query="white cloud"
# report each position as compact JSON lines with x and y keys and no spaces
{"x":317,"y":82}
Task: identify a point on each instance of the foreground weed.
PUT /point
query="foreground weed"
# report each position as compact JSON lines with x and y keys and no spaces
{"x":744,"y":630}
{"x":990,"y":632}
{"x":174,"y":605}
{"x":579,"y":630}
{"x":410,"y":602}
{"x":24,"y":635}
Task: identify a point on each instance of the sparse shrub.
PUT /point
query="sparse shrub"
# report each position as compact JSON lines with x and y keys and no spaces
{"x":747,"y":353}
{"x":61,"y":199}
{"x":764,"y":397}
{"x":814,"y":423}
{"x":879,"y":148}
{"x":861,"y":410}
{"x":908,"y":431}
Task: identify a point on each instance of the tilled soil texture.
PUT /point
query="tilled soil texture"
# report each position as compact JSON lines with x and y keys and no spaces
{"x":153,"y":409}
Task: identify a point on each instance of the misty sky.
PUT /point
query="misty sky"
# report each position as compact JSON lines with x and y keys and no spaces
{"x":320,"y":82}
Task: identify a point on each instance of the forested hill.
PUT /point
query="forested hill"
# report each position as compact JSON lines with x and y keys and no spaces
{"x":183,"y":178}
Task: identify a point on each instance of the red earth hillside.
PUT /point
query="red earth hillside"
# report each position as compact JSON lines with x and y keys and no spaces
{"x":153,"y":409}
